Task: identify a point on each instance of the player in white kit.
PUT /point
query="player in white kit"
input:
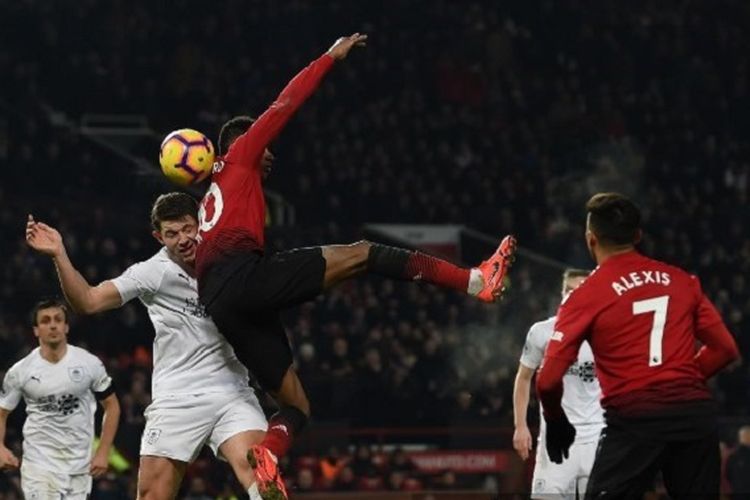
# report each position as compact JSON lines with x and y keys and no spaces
{"x":580,"y":400}
{"x":200,"y":391}
{"x":60,"y":384}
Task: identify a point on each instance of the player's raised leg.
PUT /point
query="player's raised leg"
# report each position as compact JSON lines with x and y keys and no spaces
{"x":484,"y":281}
{"x":283,"y":427}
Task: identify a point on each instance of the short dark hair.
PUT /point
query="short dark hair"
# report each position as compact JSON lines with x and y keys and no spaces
{"x":47,"y":304}
{"x":172,"y":206}
{"x":231,"y":130}
{"x":614,"y":218}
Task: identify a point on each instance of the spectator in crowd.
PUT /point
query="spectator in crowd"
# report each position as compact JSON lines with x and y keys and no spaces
{"x":305,"y":481}
{"x":738,"y":464}
{"x":346,"y":480}
{"x":198,"y":490}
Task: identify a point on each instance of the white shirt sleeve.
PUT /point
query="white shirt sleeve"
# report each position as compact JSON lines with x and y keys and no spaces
{"x":100,"y":379}
{"x":533,"y":350}
{"x":10,"y":391}
{"x":140,"y":280}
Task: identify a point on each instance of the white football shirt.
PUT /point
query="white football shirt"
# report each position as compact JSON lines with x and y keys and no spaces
{"x":58,"y":434}
{"x":190,"y":355}
{"x":581,"y":391}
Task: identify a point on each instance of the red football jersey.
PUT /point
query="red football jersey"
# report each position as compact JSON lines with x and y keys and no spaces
{"x":232,"y":212}
{"x":642,"y":318}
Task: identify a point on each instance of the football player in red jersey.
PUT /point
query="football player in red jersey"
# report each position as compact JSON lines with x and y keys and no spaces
{"x":642,"y":319}
{"x":244,"y":289}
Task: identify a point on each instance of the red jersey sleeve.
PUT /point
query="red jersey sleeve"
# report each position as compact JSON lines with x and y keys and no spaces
{"x":719,"y":347}
{"x":250,"y":146}
{"x":571,"y":327}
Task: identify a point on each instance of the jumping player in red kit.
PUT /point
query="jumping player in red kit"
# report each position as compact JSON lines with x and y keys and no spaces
{"x":642,"y":319}
{"x":244,"y":289}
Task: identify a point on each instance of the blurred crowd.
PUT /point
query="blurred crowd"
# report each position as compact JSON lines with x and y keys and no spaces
{"x":501,"y":118}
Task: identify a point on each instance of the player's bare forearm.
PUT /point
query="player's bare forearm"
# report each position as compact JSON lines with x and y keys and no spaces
{"x":82,"y":297}
{"x":73,"y":284}
{"x":3,"y":422}
{"x":521,"y":392}
{"x":110,"y":422}
{"x":7,"y":459}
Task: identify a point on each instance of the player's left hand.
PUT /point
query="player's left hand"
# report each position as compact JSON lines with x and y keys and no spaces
{"x":43,"y":238}
{"x":99,"y":464}
{"x":559,"y":438}
{"x":343,"y":45}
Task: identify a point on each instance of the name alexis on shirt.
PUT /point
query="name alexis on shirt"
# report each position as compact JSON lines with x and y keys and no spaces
{"x":640,"y":278}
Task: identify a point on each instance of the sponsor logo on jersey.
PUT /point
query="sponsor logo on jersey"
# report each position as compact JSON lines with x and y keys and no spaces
{"x":193,"y":307}
{"x":557,"y":336}
{"x":36,"y":379}
{"x":67,"y":404}
{"x":584,"y":371}
{"x":75,"y":373}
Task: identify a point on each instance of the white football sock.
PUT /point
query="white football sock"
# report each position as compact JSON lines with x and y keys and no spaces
{"x":476,"y":281}
{"x":254,"y":493}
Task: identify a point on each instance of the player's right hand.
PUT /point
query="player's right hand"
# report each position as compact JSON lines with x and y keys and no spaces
{"x":43,"y":238}
{"x":7,"y":459}
{"x":343,"y":45}
{"x":522,"y":442}
{"x":559,"y":438}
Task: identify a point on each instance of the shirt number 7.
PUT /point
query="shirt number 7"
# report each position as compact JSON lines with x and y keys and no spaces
{"x":658,"y":306}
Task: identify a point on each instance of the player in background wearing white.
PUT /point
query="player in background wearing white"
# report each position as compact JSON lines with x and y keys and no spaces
{"x":200,"y":391}
{"x":581,"y":403}
{"x":60,"y":384}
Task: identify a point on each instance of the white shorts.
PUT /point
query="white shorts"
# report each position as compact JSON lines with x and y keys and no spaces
{"x":558,"y":481}
{"x":178,"y":426}
{"x":40,"y":484}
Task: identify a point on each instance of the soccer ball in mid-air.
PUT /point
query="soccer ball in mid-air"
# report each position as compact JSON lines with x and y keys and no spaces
{"x":186,"y":156}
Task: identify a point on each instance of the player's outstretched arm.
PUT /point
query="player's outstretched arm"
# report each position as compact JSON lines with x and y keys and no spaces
{"x":7,"y":459}
{"x":272,"y":121}
{"x":82,"y":297}
{"x":521,"y":391}
{"x":110,"y":420}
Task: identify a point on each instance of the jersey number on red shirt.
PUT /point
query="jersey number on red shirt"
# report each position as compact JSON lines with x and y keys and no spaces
{"x":211,"y":208}
{"x":658,"y":306}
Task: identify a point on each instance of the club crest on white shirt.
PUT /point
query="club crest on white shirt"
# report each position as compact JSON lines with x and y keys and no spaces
{"x":152,"y":435}
{"x":75,"y":373}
